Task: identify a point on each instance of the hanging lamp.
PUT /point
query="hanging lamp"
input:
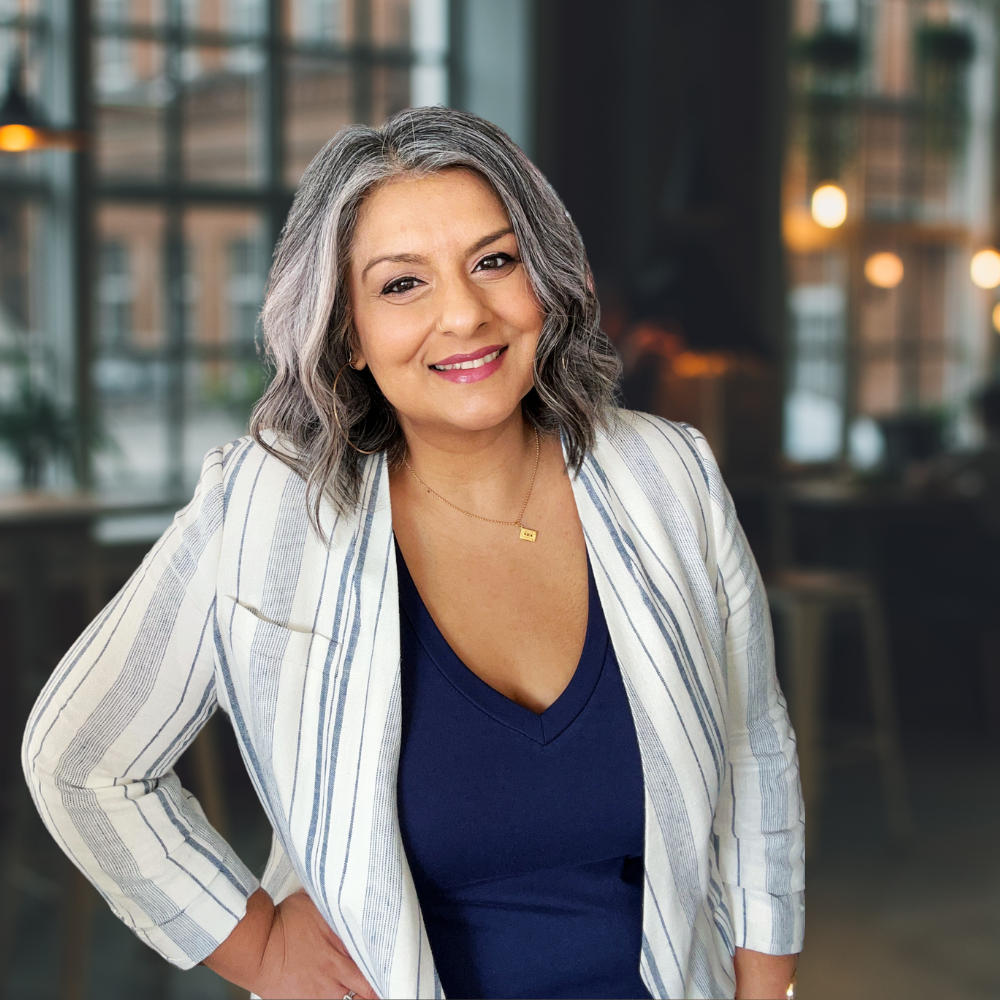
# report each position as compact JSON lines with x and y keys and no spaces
{"x":23,"y":126}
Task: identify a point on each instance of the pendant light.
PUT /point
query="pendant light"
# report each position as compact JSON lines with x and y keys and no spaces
{"x":23,"y":126}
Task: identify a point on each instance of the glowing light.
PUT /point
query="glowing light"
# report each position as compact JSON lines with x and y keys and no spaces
{"x":985,"y":268}
{"x":693,"y":365}
{"x":829,"y":206}
{"x":996,"y":317}
{"x":801,"y":232}
{"x":884,"y":270}
{"x":17,"y":138}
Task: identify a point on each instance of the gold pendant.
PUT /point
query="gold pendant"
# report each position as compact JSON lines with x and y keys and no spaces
{"x":527,"y":535}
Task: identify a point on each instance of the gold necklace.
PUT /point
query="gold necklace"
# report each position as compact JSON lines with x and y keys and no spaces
{"x":525,"y":534}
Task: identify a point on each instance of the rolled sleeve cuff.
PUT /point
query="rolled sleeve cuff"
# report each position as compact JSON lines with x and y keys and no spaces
{"x":191,"y":935}
{"x":773,"y":925}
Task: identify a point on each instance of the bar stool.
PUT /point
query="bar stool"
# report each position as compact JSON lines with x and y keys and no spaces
{"x":806,"y":599}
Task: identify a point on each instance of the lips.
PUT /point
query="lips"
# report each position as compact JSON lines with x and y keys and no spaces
{"x":467,"y":362}
{"x":464,"y":369}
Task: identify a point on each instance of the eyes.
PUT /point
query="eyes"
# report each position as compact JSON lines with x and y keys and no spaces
{"x":493,"y":262}
{"x":400,"y":286}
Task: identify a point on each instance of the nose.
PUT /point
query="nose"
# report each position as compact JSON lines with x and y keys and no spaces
{"x":464,"y":310}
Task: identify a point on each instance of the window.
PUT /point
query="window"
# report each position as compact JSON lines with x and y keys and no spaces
{"x":115,"y":297}
{"x":205,"y":113}
{"x":37,"y":359}
{"x":893,"y":104}
{"x":814,"y":403}
{"x":319,"y":20}
{"x":245,"y":287}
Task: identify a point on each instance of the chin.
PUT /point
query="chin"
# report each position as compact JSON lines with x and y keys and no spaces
{"x":479,"y":418}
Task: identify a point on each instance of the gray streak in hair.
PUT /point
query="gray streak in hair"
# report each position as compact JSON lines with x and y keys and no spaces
{"x":306,"y":317}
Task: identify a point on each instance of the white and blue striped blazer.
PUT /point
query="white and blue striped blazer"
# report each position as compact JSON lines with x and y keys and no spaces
{"x":241,"y":605}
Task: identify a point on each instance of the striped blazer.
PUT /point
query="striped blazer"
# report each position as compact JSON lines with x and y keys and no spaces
{"x":241,"y":605}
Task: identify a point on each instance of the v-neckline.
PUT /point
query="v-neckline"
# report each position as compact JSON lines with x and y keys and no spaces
{"x":543,"y":728}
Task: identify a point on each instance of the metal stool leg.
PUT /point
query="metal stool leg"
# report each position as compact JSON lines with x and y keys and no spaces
{"x":807,"y":630}
{"x":884,"y":711}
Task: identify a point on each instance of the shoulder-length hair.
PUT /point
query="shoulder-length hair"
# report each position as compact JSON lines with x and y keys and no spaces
{"x":306,"y":317}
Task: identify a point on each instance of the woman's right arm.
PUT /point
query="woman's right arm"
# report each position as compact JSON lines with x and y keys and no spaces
{"x":99,"y":749}
{"x":120,"y":708}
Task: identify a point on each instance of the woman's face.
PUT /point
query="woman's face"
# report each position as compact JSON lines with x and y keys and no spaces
{"x":443,"y":310}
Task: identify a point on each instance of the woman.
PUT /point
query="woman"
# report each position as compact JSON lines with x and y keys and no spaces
{"x":497,"y":657}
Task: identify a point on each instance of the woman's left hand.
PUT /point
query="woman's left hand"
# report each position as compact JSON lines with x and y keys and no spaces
{"x":304,"y":959}
{"x":288,"y":950}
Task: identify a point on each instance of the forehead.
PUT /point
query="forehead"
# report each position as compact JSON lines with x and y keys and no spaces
{"x":423,"y":210}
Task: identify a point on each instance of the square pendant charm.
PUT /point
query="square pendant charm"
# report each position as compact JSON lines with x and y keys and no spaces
{"x":527,"y":535}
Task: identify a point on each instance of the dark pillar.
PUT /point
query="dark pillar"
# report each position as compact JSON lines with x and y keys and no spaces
{"x":661,"y":126}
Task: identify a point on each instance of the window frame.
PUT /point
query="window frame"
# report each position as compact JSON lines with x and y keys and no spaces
{"x":70,"y":187}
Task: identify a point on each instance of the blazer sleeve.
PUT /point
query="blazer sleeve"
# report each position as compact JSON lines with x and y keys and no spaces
{"x":103,"y":737}
{"x":760,"y":822}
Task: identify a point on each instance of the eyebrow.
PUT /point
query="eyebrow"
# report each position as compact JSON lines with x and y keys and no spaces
{"x":412,"y":258}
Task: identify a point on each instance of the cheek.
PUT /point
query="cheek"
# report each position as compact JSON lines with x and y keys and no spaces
{"x":528,"y":309}
{"x":528,"y":320}
{"x":388,"y":337}
{"x":517,"y":307}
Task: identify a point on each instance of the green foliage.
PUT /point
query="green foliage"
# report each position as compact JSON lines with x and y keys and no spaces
{"x":830,"y":51}
{"x":948,"y":44}
{"x":943,"y":54}
{"x":238,"y":388}
{"x":828,"y":62}
{"x":35,"y":431}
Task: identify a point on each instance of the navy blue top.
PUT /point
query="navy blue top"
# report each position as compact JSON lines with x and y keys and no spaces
{"x":524,"y":832}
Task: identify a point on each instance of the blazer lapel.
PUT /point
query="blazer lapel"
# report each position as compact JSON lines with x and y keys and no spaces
{"x":648,"y":564}
{"x":648,"y":557}
{"x":345,"y":834}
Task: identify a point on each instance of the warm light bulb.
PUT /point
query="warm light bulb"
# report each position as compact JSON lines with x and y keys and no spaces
{"x":829,"y":206}
{"x":17,"y":138}
{"x":985,"y":268}
{"x":884,"y":270}
{"x":996,"y":317}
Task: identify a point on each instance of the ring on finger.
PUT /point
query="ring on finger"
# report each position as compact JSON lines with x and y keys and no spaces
{"x":350,"y":995}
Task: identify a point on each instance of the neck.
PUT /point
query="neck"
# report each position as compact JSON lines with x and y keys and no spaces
{"x":482,"y":468}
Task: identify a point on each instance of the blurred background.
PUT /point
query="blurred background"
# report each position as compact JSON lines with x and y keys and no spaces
{"x":791,"y":211}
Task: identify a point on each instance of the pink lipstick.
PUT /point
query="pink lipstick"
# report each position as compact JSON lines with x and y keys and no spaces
{"x":465,"y":368}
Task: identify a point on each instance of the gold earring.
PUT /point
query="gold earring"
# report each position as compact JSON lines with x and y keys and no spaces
{"x":350,"y":361}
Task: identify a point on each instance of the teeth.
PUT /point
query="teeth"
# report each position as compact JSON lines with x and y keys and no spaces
{"x":464,"y":365}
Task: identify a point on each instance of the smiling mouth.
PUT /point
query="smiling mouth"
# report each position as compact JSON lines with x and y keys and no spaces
{"x":466,"y":365}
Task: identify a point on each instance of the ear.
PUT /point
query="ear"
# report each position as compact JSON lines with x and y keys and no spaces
{"x":356,"y":354}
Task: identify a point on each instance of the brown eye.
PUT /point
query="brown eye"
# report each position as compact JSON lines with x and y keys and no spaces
{"x":400,"y":286}
{"x":495,"y":261}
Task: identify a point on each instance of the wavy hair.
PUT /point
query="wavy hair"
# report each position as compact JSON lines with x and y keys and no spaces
{"x":306,"y":317}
